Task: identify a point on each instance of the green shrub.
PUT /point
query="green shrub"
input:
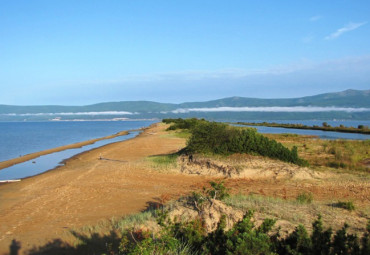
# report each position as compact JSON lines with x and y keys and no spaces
{"x":335,"y":164}
{"x":219,"y":138}
{"x":218,"y":191}
{"x":345,"y":205}
{"x":305,"y":198}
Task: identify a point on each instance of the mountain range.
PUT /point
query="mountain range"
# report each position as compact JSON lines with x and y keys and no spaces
{"x":349,"y":104}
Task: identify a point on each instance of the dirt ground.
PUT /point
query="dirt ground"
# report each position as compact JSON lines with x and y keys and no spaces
{"x":88,"y":189}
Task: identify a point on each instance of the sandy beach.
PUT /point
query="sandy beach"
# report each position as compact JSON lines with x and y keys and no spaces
{"x":87,"y":189}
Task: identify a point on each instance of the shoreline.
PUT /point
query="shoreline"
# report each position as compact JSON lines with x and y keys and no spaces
{"x":48,"y":206}
{"x":34,"y":155}
{"x":339,"y":129}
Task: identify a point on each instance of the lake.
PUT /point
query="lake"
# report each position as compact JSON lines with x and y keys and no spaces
{"x":322,"y":134}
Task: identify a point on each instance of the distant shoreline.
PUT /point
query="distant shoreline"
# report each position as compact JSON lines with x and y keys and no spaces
{"x":365,"y":130}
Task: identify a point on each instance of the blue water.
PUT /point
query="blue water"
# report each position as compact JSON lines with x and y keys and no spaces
{"x":21,"y":138}
{"x":321,"y":134}
{"x":50,"y":161}
{"x":333,"y":123}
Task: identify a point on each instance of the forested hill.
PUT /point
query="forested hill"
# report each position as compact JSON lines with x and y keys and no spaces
{"x":335,"y":105}
{"x":348,"y":98}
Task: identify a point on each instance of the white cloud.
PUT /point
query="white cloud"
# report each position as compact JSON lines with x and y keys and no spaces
{"x":349,"y":27}
{"x":272,"y":109}
{"x":69,"y":113}
{"x":315,"y":18}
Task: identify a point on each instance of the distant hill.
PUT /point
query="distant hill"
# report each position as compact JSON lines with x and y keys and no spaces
{"x":148,"y":109}
{"x":348,"y":98}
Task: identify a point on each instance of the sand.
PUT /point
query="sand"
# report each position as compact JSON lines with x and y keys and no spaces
{"x":87,"y":190}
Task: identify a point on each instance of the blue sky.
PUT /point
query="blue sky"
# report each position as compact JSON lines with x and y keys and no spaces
{"x":83,"y":52}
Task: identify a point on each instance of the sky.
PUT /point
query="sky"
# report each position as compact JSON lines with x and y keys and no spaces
{"x":84,"y":52}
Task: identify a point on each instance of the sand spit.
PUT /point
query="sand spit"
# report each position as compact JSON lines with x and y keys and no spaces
{"x":87,"y":190}
{"x":11,"y":162}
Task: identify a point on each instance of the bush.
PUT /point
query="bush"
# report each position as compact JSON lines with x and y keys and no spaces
{"x":335,"y":164}
{"x":345,"y":205}
{"x":219,"y":138}
{"x":305,"y":198}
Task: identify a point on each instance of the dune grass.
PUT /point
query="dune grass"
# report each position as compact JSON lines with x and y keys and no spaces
{"x":339,"y":154}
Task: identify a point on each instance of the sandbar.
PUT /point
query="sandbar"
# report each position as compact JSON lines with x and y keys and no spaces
{"x":11,"y":162}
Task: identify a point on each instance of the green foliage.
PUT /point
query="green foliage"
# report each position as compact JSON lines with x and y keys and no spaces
{"x":181,"y":123}
{"x":298,"y":242}
{"x":345,"y":243}
{"x":365,"y":241}
{"x":218,"y":191}
{"x":219,"y":138}
{"x":191,"y":238}
{"x":305,"y":198}
{"x":320,"y":238}
{"x":335,"y":164}
{"x":345,"y":205}
{"x":243,"y":238}
{"x":145,"y":242}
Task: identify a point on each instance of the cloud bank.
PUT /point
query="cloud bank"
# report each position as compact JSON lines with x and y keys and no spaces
{"x":272,"y":109}
{"x":69,"y":113}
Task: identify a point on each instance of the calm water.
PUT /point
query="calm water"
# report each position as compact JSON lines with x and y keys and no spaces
{"x":50,"y":161}
{"x":21,"y":138}
{"x":319,"y":133}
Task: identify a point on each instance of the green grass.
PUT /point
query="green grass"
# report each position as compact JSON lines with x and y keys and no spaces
{"x":164,"y":161}
{"x":180,"y":133}
{"x":305,"y":198}
{"x":344,"y":154}
{"x":133,"y":220}
{"x":295,"y":213}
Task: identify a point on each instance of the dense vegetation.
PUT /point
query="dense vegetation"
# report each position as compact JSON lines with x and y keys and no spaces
{"x":219,"y":138}
{"x":362,"y":129}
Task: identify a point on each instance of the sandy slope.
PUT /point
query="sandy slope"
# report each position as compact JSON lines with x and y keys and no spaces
{"x":87,"y":190}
